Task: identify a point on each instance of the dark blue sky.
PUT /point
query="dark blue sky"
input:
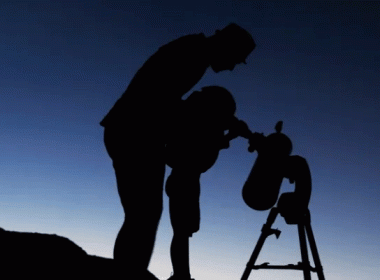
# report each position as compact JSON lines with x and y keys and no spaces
{"x":316,"y":67}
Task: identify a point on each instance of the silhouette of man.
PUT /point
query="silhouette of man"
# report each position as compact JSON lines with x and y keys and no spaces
{"x":191,"y":150}
{"x":135,"y":131}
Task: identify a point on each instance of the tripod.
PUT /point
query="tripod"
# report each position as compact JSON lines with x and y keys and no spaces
{"x":304,"y":231}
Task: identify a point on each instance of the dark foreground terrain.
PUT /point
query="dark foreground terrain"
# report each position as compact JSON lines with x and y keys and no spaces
{"x":26,"y":255}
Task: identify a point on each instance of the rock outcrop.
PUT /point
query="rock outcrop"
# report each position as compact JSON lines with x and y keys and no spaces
{"x":47,"y":256}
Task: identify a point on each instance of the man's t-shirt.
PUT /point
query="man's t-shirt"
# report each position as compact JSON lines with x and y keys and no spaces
{"x":161,"y":82}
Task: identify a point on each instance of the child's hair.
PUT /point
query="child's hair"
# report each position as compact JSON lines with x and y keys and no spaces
{"x":212,"y":99}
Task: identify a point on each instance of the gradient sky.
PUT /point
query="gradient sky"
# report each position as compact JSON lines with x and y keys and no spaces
{"x":316,"y":67}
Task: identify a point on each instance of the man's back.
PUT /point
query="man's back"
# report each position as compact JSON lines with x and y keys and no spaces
{"x":163,"y":79}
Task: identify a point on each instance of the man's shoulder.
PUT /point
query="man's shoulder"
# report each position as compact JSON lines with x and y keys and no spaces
{"x":186,"y":48}
{"x":190,"y":40}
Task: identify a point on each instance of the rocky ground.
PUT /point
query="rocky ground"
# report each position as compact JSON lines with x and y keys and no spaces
{"x":47,"y":256}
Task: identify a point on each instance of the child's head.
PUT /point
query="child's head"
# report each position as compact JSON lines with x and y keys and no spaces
{"x":214,"y":103}
{"x":213,"y":99}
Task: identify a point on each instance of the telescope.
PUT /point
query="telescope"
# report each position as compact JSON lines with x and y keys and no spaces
{"x":274,"y":163}
{"x":261,"y":191}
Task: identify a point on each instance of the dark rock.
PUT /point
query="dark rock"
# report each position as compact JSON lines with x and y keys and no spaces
{"x":49,"y":256}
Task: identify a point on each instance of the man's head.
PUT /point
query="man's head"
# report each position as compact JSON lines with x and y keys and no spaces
{"x":230,"y":46}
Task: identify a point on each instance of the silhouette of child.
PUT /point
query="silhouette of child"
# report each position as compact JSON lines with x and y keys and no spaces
{"x":191,"y":150}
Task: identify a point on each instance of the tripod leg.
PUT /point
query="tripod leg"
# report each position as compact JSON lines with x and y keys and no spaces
{"x":304,"y":254}
{"x":265,"y":232}
{"x":254,"y":256}
{"x":314,"y":252}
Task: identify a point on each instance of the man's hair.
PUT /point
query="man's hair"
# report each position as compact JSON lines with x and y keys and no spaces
{"x":237,"y":37}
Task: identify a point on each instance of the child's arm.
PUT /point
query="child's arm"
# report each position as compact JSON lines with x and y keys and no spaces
{"x":237,"y":128}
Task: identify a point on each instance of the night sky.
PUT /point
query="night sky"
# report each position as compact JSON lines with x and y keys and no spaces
{"x":316,"y":67}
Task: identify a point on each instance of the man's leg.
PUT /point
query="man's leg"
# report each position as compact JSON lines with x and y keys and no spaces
{"x":140,"y":170}
{"x":141,"y":198}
